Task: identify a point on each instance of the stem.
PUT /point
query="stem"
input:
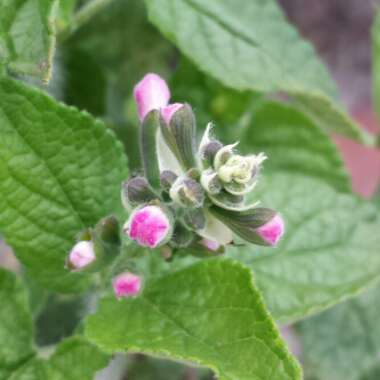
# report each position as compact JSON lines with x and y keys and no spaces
{"x":81,"y":17}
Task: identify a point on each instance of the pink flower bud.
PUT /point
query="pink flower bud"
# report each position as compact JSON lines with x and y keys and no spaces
{"x":272,"y":231}
{"x":212,"y":245}
{"x":149,"y":226}
{"x":151,"y":93}
{"x":126,"y":285}
{"x":81,"y":255}
{"x":168,"y":111}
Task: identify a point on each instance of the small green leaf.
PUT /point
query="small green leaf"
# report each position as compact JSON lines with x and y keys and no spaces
{"x":209,"y":313}
{"x":16,"y":327}
{"x":60,"y":172}
{"x":27,"y":36}
{"x":376,"y":61}
{"x":330,"y":250}
{"x":293,"y":144}
{"x":342,"y":343}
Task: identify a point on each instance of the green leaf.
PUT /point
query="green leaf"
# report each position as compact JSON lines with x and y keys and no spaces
{"x":142,"y":367}
{"x":209,"y":313}
{"x":376,"y":62}
{"x":373,"y":373}
{"x":252,"y":47}
{"x":16,"y":328}
{"x":60,"y":172}
{"x":330,"y":117}
{"x":73,"y":359}
{"x":65,"y":13}
{"x":246,"y":46}
{"x":293,"y":144}
{"x":329,"y":251}
{"x":125,"y":58}
{"x":342,"y":343}
{"x":27,"y":36}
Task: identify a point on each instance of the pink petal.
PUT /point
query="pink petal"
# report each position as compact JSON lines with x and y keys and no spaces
{"x":168,"y":111}
{"x":272,"y":231}
{"x":151,"y":93}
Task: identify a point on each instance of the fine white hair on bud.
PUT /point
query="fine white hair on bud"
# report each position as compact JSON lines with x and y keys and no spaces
{"x":81,"y":255}
{"x":224,"y":154}
{"x":187,"y":192}
{"x":210,"y":181}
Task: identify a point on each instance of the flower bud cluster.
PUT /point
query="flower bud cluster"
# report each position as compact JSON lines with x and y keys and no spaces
{"x":191,"y":194}
{"x":187,"y":194}
{"x":224,"y":170}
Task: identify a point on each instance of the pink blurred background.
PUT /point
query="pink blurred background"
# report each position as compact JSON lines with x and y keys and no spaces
{"x":340,"y":31}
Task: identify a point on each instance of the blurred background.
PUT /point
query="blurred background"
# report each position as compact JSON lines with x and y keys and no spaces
{"x":340,"y":30}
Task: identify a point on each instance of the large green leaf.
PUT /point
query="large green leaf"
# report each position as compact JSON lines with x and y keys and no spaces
{"x":342,"y":343}
{"x":209,"y":313}
{"x":330,"y":250}
{"x":16,"y":330}
{"x":60,"y":172}
{"x":293,"y":144}
{"x":73,"y":359}
{"x":376,"y":61}
{"x":27,"y":36}
{"x":251,"y":46}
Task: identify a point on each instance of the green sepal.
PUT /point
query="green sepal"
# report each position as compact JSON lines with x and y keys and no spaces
{"x":148,"y":148}
{"x":182,"y":236}
{"x":107,"y":241}
{"x":180,"y":136}
{"x":194,"y":219}
{"x":245,"y":223}
{"x":228,"y":201}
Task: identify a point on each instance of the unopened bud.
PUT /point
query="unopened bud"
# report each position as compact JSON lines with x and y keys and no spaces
{"x":194,"y":219}
{"x":187,"y":193}
{"x":210,"y":151}
{"x":150,"y":226}
{"x":224,"y":154}
{"x":239,"y":173}
{"x":126,"y":285}
{"x":167,"y":179}
{"x":212,"y":245}
{"x":210,"y":181}
{"x":257,"y":225}
{"x":272,"y":231}
{"x":81,"y":255}
{"x":168,"y":111}
{"x":136,"y":191}
{"x":151,"y":93}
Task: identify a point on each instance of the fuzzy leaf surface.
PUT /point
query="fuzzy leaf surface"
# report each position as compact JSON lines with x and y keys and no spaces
{"x":209,"y":313}
{"x":27,"y":36}
{"x":60,"y":172}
